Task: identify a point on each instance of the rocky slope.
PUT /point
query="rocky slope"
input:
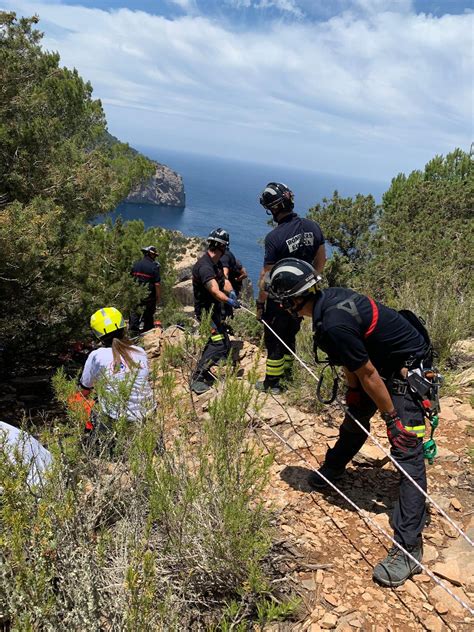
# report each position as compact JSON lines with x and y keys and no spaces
{"x":165,"y":188}
{"x":327,"y":550}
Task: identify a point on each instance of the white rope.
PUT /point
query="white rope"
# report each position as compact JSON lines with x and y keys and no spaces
{"x":368,"y":519}
{"x":374,"y":439}
{"x":365,"y":516}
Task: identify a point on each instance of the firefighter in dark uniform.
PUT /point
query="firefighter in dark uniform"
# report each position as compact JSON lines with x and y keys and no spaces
{"x":378,"y":349}
{"x":146,"y":272}
{"x":293,"y":237}
{"x":211,"y":290}
{"x":235,"y":272}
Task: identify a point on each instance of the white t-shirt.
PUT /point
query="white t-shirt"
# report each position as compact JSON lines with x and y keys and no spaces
{"x":128,"y":383}
{"x":31,"y":452}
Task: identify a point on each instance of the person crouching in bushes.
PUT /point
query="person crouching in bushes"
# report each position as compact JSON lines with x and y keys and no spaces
{"x":119,"y":372}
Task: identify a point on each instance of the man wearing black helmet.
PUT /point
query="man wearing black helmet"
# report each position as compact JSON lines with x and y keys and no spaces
{"x":384,"y":353}
{"x":296,"y":237}
{"x":146,"y":271}
{"x":211,"y":290}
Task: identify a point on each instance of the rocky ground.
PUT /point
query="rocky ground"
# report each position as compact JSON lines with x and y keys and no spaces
{"x":329,"y":551}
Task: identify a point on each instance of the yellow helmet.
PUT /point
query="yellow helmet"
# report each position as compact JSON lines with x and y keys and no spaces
{"x":106,"y":320}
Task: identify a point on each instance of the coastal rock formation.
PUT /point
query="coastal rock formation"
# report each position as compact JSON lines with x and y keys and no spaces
{"x":165,"y":188}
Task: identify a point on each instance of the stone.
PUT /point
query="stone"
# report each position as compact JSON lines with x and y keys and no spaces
{"x":413,"y":590}
{"x":332,"y":599}
{"x":309,"y":584}
{"x":447,"y":415}
{"x":433,"y":623}
{"x":446,"y":455}
{"x":466,"y":378}
{"x":328,"y":432}
{"x":183,"y":292}
{"x":455,"y":504}
{"x":329,"y":583}
{"x":465,"y":411}
{"x":329,"y":621}
{"x":450,"y":571}
{"x":370,"y":455}
{"x":165,"y":188}
{"x":444,"y":603}
{"x":315,"y":627}
{"x":430,"y":553}
{"x":449,"y":530}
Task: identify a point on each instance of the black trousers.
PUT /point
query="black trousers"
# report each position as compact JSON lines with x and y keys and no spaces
{"x":145,"y":312}
{"x":279,"y":360}
{"x":409,"y":515}
{"x":217,"y":348}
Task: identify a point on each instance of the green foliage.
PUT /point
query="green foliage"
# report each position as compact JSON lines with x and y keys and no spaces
{"x":347,"y":224}
{"x":301,"y":390}
{"x":246,"y":326}
{"x":416,"y":250}
{"x":59,"y":170}
{"x":149,"y":540}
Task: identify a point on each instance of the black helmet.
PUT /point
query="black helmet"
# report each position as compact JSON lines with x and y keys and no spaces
{"x":150,"y":250}
{"x":276,"y":194}
{"x":218,"y":237}
{"x":291,"y":278}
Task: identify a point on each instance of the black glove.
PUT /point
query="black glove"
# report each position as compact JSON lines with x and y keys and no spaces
{"x":260,"y":310}
{"x":397,"y":434}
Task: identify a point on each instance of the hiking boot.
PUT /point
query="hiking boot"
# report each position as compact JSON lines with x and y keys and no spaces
{"x":397,"y":567}
{"x":268,"y":388}
{"x":200,"y":387}
{"x":316,"y":482}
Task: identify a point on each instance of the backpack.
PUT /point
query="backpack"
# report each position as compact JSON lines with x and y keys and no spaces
{"x":420,"y":325}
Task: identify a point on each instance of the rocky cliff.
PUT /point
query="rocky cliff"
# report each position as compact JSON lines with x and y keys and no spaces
{"x":165,"y":187}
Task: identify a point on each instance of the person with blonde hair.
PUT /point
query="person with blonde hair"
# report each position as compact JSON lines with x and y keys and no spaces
{"x":119,"y":370}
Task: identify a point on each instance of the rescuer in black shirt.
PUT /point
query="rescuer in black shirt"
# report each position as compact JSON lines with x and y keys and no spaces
{"x":236,"y":273}
{"x":212,"y":290}
{"x":146,"y":272}
{"x":293,"y":237}
{"x":376,"y":346}
{"x":233,"y":270}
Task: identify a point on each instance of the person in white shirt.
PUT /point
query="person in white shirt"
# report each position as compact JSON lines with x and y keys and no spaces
{"x":19,"y":445}
{"x":118,"y":371}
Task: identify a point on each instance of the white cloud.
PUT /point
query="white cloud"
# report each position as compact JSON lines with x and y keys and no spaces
{"x":373,"y":93}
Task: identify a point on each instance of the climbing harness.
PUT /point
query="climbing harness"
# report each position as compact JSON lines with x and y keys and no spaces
{"x":425,"y":385}
{"x":373,"y":438}
{"x":361,"y":512}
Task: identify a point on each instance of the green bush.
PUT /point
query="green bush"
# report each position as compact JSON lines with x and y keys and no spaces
{"x":413,"y":251}
{"x":142,"y":539}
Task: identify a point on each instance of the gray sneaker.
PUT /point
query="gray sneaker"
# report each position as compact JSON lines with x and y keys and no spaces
{"x":200,"y":387}
{"x":397,"y":567}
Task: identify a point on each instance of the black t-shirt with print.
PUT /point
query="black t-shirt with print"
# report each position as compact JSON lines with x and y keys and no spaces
{"x":204,"y":270}
{"x":341,"y":320}
{"x":294,"y":236}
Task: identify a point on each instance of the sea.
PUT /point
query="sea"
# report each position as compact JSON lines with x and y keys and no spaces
{"x":224,"y":193}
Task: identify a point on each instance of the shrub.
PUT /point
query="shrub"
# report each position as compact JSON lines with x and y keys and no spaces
{"x":149,"y":539}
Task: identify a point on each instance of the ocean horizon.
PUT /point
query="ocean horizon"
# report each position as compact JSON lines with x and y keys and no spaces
{"x":225,"y":193}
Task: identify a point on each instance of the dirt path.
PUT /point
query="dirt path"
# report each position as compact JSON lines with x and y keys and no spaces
{"x":331,"y":551}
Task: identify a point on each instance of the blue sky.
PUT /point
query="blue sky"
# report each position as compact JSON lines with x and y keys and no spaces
{"x":357,"y":87}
